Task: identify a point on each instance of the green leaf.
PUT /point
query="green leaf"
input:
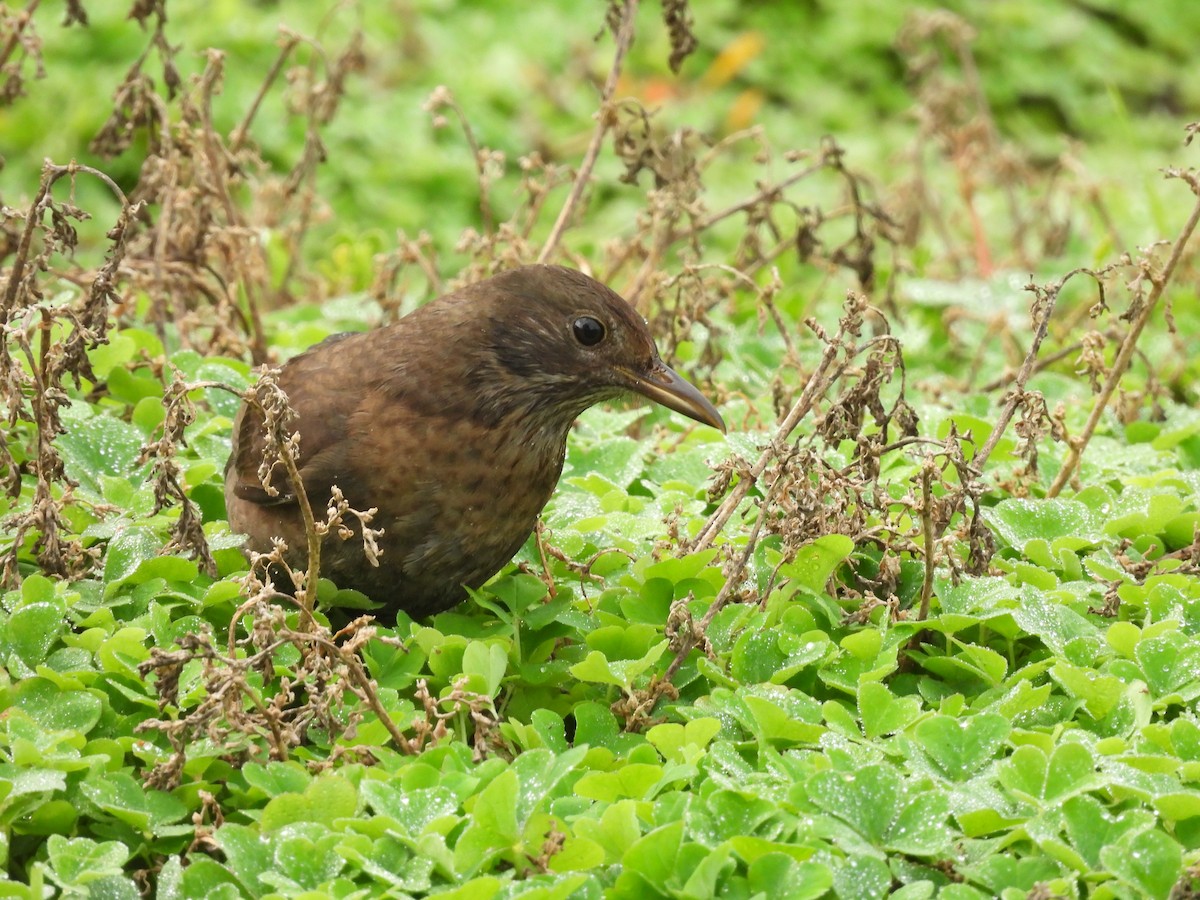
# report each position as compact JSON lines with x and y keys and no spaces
{"x":1099,"y":693}
{"x":128,"y":549}
{"x":650,"y":863}
{"x":148,"y":414}
{"x":816,"y":561}
{"x":494,"y":827}
{"x":540,"y":772}
{"x":619,"y":459}
{"x":1018,"y":521}
{"x":751,"y":848}
{"x":736,"y":813}
{"x":57,"y":709}
{"x":1149,"y":862}
{"x":631,"y":780}
{"x":333,"y":797}
{"x":874,"y":802}
{"x":203,"y":877}
{"x":495,"y":807}
{"x":485,"y":664}
{"x":551,"y":728}
{"x":305,"y":858}
{"x":778,"y":875}
{"x":1178,"y":805}
{"x":82,"y":861}
{"x":126,"y":799}
{"x":324,"y":800}
{"x":862,"y":877}
{"x":275,"y":778}
{"x":411,"y":810}
{"x":595,"y":725}
{"x":702,"y":878}
{"x":50,"y":816}
{"x":518,"y":592}
{"x":971,"y":660}
{"x":33,"y":629}
{"x":683,"y":743}
{"x":882,"y":713}
{"x":1057,"y":625}
{"x":577,"y":854}
{"x":683,"y":570}
{"x":1091,"y":827}
{"x":757,"y":656}
{"x":483,"y":888}
{"x":25,"y":792}
{"x":223,"y":402}
{"x":286,"y":809}
{"x":1033,"y":776}
{"x":128,"y":388}
{"x":246,"y":854}
{"x":782,"y":716}
{"x":621,"y":672}
{"x":1171,"y":663}
{"x":961,"y":747}
{"x":100,"y":445}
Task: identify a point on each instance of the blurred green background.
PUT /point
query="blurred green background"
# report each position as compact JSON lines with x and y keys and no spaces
{"x":1112,"y":80}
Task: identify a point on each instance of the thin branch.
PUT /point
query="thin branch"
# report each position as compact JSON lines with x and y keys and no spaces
{"x":817,"y":383}
{"x":700,"y":629}
{"x":307,"y":595}
{"x":604,"y":121}
{"x":1125,"y":354}
{"x":1042,"y":364}
{"x":1048,"y":300}
{"x":363,"y":681}
{"x":20,"y":23}
{"x":238,"y":135}
{"x":50,"y":174}
{"x":927,"y":533}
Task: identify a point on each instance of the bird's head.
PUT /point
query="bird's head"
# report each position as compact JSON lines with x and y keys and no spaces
{"x":565,"y":341}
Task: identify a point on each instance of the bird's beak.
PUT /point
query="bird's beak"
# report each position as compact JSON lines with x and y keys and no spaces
{"x":664,"y":385}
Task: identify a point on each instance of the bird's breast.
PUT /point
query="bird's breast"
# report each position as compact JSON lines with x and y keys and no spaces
{"x":455,"y":495}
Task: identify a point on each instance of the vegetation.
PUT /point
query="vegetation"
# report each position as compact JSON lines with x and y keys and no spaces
{"x":926,"y":622}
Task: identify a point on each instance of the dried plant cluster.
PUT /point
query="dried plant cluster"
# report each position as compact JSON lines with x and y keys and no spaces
{"x":45,"y":346}
{"x":187,"y":243}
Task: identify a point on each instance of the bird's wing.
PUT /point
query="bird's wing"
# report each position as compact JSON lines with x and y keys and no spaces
{"x":325,"y":385}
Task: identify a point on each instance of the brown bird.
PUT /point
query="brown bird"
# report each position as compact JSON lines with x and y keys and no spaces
{"x":453,"y":422}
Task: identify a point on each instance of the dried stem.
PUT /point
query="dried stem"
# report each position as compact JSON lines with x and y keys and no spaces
{"x":22,"y":21}
{"x":817,"y":383}
{"x":305,"y":595}
{"x":1015,"y":395}
{"x":1125,"y":354}
{"x":367,"y":691}
{"x":927,"y":534}
{"x":604,"y":121}
{"x":50,"y":174}
{"x":722,"y":599}
{"x":239,"y":133}
{"x":1009,"y":377}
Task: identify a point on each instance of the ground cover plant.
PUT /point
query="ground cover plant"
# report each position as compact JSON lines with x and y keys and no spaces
{"x":924,"y":623}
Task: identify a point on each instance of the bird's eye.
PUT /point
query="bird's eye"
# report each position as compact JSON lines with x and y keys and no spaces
{"x":588,"y":331}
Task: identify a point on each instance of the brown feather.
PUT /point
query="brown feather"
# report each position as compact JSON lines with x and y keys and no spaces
{"x":452,"y":422}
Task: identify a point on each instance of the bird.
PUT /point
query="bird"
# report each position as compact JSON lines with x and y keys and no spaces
{"x":452,"y":422}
